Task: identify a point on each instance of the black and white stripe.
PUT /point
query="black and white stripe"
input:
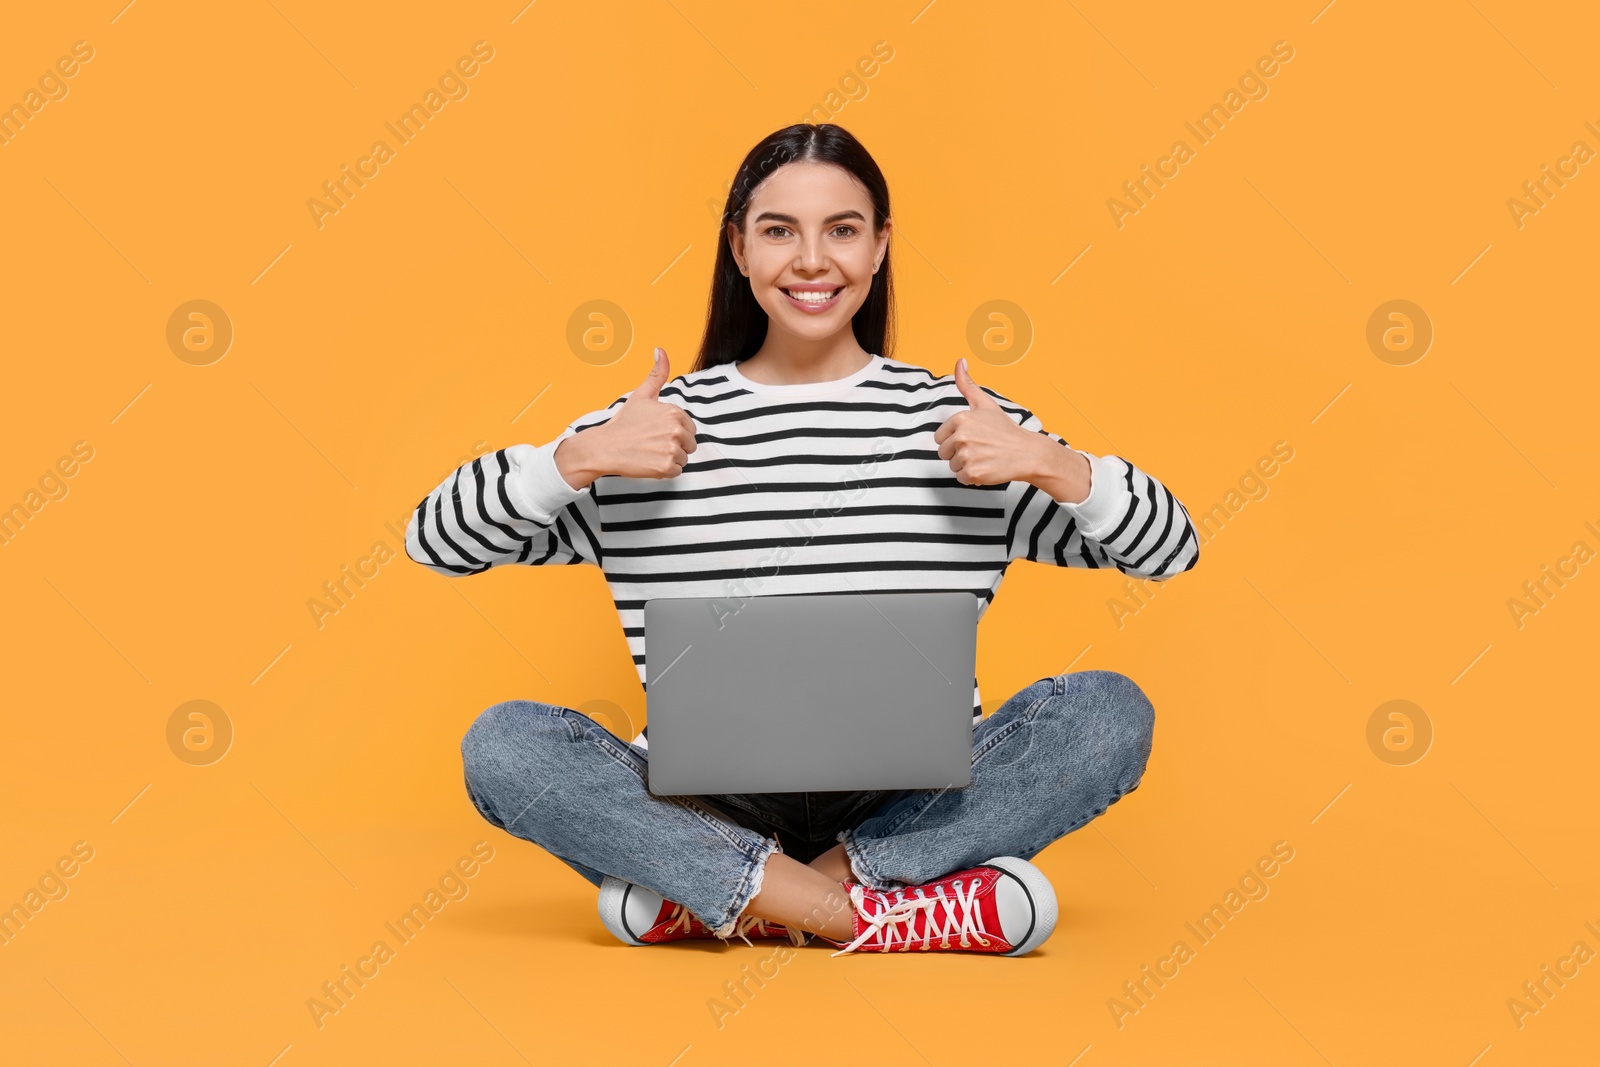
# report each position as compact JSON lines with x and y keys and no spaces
{"x":830,"y":488}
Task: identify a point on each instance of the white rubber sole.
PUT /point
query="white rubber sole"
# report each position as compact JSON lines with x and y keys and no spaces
{"x":613,"y":899}
{"x":1040,"y":892}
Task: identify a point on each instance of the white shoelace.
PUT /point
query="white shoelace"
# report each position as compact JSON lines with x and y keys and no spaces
{"x":681,"y":917}
{"x":962,"y":917}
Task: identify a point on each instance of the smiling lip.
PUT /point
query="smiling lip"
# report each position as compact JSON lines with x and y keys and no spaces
{"x":813,"y":307}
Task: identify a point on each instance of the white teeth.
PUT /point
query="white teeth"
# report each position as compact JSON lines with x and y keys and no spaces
{"x":812,"y":297}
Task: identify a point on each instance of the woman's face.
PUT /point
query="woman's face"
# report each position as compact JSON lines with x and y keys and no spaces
{"x":809,"y":249}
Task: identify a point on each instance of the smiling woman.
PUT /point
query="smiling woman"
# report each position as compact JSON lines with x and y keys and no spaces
{"x":799,"y":457}
{"x":811,"y":278}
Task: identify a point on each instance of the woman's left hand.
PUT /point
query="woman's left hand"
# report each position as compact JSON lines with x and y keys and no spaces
{"x":986,"y":446}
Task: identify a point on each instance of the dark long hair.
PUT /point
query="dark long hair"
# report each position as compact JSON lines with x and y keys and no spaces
{"x":736,"y":325}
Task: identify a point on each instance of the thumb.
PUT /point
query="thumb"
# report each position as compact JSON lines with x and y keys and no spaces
{"x":977,"y":399}
{"x":659,"y":375}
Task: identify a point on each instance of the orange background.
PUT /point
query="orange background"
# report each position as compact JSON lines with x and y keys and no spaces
{"x":428,"y":318}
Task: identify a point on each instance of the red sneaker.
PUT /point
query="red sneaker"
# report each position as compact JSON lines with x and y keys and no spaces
{"x":638,"y":916}
{"x":1006,"y":906}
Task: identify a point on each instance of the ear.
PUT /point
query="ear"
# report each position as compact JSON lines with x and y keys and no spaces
{"x":736,"y":246}
{"x":883,"y":244}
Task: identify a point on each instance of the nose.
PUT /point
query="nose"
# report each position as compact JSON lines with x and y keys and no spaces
{"x":811,"y":257}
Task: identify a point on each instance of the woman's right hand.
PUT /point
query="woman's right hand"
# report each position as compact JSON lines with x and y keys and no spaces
{"x":646,"y":438}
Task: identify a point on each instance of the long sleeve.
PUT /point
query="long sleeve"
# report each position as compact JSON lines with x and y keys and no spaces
{"x":508,"y":506}
{"x":1129,"y":521}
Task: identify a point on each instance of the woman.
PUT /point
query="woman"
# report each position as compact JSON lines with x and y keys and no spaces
{"x":683,"y":488}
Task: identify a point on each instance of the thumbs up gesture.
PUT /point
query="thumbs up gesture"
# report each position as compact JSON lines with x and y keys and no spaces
{"x":985,"y":446}
{"x":646,"y":438}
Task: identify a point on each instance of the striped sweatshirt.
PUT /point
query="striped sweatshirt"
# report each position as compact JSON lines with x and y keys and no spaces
{"x":823,"y":487}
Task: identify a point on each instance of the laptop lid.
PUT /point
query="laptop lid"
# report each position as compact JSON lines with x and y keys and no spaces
{"x":812,"y":692}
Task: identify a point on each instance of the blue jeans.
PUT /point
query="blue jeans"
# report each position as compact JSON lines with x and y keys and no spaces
{"x":1054,"y":756}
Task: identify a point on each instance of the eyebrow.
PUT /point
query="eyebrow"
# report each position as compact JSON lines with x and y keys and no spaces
{"x":791,"y":220}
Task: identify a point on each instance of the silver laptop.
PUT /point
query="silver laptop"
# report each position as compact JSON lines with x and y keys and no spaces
{"x":810,"y":693}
